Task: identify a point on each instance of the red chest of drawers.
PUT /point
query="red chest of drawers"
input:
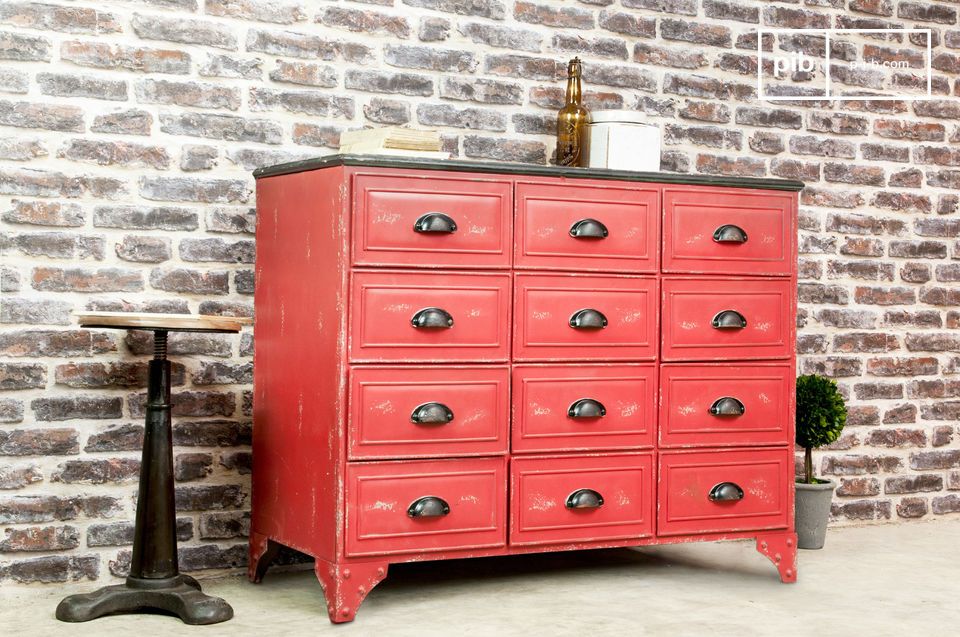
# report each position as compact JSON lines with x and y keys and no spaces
{"x":459,"y":359}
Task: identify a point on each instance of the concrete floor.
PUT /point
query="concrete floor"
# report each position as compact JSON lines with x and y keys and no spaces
{"x":878,"y":580}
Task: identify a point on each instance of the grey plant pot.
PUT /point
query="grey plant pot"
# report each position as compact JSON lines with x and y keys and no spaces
{"x":813,"y":510}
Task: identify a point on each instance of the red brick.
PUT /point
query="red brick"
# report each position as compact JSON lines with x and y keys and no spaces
{"x":908,"y":178}
{"x":912,"y":507}
{"x":858,"y":487}
{"x":920,"y":366}
{"x":946,"y":504}
{"x":926,"y":460}
{"x":865,"y":342}
{"x":942,"y":436}
{"x":914,"y":131}
{"x":18,"y":476}
{"x":862,"y":510}
{"x":897,"y":438}
{"x":948,"y":410}
{"x":900,"y":415}
{"x":57,"y":568}
{"x":833,"y":366}
{"x":852,"y":464}
{"x":113,"y":470}
{"x":209,"y":497}
{"x":862,"y":416}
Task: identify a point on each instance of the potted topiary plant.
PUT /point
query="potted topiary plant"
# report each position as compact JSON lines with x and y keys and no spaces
{"x":821,"y":414}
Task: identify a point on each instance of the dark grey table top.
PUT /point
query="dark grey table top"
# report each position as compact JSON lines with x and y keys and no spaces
{"x":416,"y":163}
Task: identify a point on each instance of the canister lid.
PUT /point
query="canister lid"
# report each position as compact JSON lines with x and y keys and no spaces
{"x":618,"y":116}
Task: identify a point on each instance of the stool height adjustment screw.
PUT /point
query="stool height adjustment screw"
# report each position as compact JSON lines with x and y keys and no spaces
{"x":160,"y":345}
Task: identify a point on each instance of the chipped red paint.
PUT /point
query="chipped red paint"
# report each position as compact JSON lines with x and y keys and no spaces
{"x":340,"y":370}
{"x":689,"y":390}
{"x":544,"y":305}
{"x":781,"y":549}
{"x":690,"y":307}
{"x":687,"y":477}
{"x":546,"y":212}
{"x":540,"y":487}
{"x":379,"y":494}
{"x":383,"y":302}
{"x":544,"y":394}
{"x":387,"y":206}
{"x":692,"y":215}
{"x":383,"y":400}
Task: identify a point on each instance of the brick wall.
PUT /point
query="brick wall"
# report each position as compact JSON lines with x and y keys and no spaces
{"x":128,"y":130}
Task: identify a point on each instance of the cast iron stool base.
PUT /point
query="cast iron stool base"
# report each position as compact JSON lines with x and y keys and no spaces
{"x":155,"y":581}
{"x":179,"y":595}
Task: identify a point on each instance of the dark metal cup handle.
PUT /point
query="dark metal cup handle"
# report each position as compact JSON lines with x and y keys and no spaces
{"x":428,"y":507}
{"x":588,"y":319}
{"x":587,"y":408}
{"x":431,"y":414}
{"x":432,"y":317}
{"x":727,"y":406}
{"x":729,"y":233}
{"x":588,"y":229}
{"x":435,"y":222}
{"x":584,"y":499}
{"x":726,"y":492}
{"x":729,"y":320}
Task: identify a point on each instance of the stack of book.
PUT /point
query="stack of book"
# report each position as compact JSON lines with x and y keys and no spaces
{"x":393,"y":140}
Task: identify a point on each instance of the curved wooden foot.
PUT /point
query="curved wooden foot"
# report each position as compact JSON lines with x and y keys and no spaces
{"x":262,"y":552}
{"x":781,"y":549}
{"x":346,"y":585}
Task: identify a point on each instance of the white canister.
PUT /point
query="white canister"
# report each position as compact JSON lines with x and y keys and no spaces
{"x":622,"y":140}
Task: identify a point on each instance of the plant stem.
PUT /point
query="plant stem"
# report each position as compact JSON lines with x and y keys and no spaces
{"x":808,"y":464}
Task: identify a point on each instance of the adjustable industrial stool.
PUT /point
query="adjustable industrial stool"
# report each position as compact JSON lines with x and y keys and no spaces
{"x":155,"y":581}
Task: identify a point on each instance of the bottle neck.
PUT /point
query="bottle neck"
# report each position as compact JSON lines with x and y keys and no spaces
{"x":573,"y":89}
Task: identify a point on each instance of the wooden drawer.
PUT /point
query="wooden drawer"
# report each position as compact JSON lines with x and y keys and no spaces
{"x":568,"y":226}
{"x":425,"y":220}
{"x":385,"y":305}
{"x":380,"y":495}
{"x":398,"y":412}
{"x":724,"y":404}
{"x":727,"y":231}
{"x":696,"y":311}
{"x":546,"y":306}
{"x":545,"y":491}
{"x":583,"y":407}
{"x":687,"y":479}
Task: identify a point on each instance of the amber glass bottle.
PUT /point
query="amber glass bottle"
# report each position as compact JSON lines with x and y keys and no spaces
{"x":572,"y":119}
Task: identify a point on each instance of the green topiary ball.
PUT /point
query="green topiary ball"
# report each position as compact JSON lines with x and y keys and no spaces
{"x":821,"y":412}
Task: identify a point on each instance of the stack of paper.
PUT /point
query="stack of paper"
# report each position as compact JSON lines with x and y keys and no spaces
{"x":392,"y":140}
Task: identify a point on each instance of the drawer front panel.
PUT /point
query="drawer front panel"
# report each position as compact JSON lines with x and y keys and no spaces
{"x":379,"y":496}
{"x":687,"y":480}
{"x":463,"y":222}
{"x":385,"y":305}
{"x":716,"y":405}
{"x":692,"y":307}
{"x":727,"y":231}
{"x":546,"y":305}
{"x":599,"y":227}
{"x":583,"y":407}
{"x":546,"y":492}
{"x":401,"y":412}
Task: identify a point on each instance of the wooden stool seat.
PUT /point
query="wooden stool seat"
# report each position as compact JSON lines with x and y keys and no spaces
{"x":165,"y":322}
